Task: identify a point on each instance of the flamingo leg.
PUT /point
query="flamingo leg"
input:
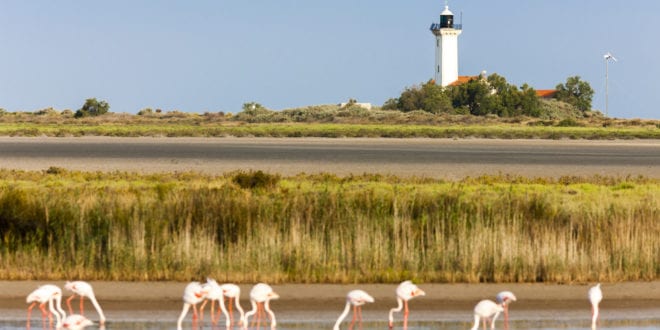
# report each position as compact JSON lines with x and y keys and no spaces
{"x":231,"y":311}
{"x":506,"y":316}
{"x":68,"y":303}
{"x":195,"y":316}
{"x":359,"y":309}
{"x":30,"y":312}
{"x":483,"y":321}
{"x":81,"y":305}
{"x":45,"y":313}
{"x":354,"y":317}
{"x":405,"y":315}
{"x":214,"y":320}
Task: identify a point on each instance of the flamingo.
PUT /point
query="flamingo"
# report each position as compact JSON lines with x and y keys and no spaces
{"x":504,"y":298}
{"x":261,"y":294}
{"x":76,"y":322}
{"x":83,"y":289}
{"x":355,"y":298}
{"x":219,"y":292}
{"x":404,"y":292}
{"x":214,"y":292}
{"x":595,"y":297}
{"x":484,"y":310}
{"x":46,"y":294}
{"x":233,"y":292}
{"x":193,"y":294}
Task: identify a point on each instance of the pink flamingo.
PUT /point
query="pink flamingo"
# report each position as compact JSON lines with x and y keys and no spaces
{"x":505,"y":298}
{"x":193,"y":294}
{"x":83,"y":289}
{"x":76,"y":322}
{"x":355,"y":298}
{"x":42,"y":295}
{"x":595,"y":297}
{"x":260,"y":297}
{"x":404,"y":292}
{"x":485,"y":310}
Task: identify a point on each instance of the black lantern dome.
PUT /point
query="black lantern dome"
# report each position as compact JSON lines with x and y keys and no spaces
{"x":446,"y":19}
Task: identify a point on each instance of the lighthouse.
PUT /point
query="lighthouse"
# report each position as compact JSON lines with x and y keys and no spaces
{"x":446,"y":48}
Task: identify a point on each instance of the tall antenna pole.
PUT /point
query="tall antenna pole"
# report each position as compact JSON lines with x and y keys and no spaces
{"x":607,"y":57}
{"x":607,"y":91}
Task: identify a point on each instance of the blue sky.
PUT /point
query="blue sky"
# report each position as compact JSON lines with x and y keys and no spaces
{"x":215,"y":55}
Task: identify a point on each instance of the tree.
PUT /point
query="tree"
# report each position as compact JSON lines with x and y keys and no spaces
{"x":529,"y":102}
{"x":576,"y":92}
{"x":434,"y":99}
{"x":473,"y":95}
{"x":93,"y":107}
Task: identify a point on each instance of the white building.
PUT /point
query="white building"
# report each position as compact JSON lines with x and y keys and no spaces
{"x":446,"y":48}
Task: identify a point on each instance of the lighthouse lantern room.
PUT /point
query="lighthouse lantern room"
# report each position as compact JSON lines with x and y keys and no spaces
{"x":446,"y":48}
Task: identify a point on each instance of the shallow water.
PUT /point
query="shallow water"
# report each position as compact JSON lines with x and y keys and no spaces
{"x":546,"y":320}
{"x":311,"y":325}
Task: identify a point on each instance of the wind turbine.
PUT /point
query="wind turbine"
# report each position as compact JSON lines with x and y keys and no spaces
{"x":607,"y":58}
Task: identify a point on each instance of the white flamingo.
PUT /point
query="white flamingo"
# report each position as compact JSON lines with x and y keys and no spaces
{"x":505,"y":298}
{"x":260,"y":297}
{"x":43,"y":295}
{"x":219,"y":292}
{"x":83,"y":289}
{"x":404,"y":292}
{"x":76,"y":322}
{"x":355,"y":298}
{"x":233,"y":293}
{"x":213,"y":293}
{"x":595,"y":297}
{"x":486,"y":310}
{"x":193,"y":294}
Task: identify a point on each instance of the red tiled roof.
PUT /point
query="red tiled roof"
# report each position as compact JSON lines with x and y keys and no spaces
{"x":546,"y":93}
{"x":462,"y":80}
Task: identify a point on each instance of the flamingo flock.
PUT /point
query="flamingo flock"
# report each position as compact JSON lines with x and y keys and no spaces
{"x":485,"y":312}
{"x":52,"y":295}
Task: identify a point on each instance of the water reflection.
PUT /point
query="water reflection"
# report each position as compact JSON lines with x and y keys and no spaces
{"x":650,"y":324}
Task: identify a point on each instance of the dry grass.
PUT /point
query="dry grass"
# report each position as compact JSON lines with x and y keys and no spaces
{"x":327,"y":229}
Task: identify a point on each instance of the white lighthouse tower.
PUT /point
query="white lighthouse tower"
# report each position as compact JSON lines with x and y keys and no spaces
{"x":446,"y":48}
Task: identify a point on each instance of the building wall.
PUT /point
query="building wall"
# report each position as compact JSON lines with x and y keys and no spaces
{"x":446,"y":71}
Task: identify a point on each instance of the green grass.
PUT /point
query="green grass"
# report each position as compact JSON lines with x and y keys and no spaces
{"x":331,"y":130}
{"x":327,"y":229}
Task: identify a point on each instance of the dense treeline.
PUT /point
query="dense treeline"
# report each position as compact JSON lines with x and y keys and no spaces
{"x":248,"y":227}
{"x":491,"y":95}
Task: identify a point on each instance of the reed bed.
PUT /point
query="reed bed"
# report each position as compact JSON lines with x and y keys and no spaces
{"x":59,"y":225}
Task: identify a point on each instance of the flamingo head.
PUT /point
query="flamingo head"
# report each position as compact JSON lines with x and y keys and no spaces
{"x":272,"y":295}
{"x":417,"y":292}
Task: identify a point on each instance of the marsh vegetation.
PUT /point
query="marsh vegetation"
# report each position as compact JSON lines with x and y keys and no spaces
{"x":248,"y":227}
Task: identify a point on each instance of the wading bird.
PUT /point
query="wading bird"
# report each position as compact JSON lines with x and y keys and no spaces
{"x":486,"y":310}
{"x":504,"y":298}
{"x":355,"y":298}
{"x":46,"y":294}
{"x":219,"y":292}
{"x":260,"y":297}
{"x":404,"y":292}
{"x":76,"y":322}
{"x":193,"y":294}
{"x":233,"y":294}
{"x":595,"y":297}
{"x":83,"y":289}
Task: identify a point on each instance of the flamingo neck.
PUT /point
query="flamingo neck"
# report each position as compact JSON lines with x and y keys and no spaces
{"x":397,"y":309}
{"x":476,"y":322}
{"x":184,"y":311}
{"x":92,"y":298}
{"x":273,"y":322}
{"x":342,"y":316}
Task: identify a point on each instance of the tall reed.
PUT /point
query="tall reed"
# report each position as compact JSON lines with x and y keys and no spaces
{"x":126,"y":226}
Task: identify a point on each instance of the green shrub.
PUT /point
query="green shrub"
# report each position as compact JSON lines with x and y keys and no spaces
{"x":256,"y":180}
